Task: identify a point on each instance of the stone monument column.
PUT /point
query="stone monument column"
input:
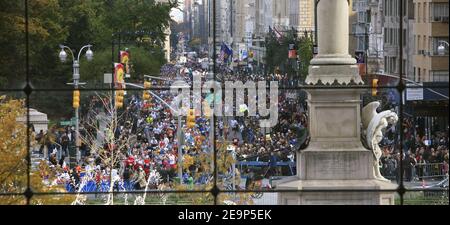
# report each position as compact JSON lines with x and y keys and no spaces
{"x":335,"y":168}
{"x":331,"y":27}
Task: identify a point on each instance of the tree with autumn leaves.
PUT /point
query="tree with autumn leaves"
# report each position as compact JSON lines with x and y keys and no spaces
{"x":202,"y":164}
{"x":13,"y":163}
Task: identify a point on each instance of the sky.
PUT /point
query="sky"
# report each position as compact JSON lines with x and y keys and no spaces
{"x":177,"y":14}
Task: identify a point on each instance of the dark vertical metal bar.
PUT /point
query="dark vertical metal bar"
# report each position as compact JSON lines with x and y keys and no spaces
{"x":214,"y":97}
{"x":231,"y":18}
{"x":401,"y":87}
{"x":315,"y":45}
{"x":28,"y":193}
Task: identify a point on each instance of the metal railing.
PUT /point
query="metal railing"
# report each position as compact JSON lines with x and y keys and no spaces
{"x":420,"y":171}
{"x":430,"y":170}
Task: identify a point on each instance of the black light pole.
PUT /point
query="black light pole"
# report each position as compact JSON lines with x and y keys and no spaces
{"x":315,"y":50}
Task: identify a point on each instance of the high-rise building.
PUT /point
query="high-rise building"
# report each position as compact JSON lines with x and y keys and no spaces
{"x":223,"y":22}
{"x":391,"y":34}
{"x":368,"y":33}
{"x":430,"y":32}
{"x":280,"y":14}
{"x":301,"y":15}
{"x":199,"y":22}
{"x":187,"y":18}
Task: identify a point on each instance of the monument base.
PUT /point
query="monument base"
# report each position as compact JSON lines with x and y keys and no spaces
{"x":335,"y":177}
{"x":336,"y":192}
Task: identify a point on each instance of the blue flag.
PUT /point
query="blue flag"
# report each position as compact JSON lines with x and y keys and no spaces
{"x":225,"y":52}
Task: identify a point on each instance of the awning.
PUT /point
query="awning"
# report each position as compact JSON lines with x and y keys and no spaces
{"x":434,"y":91}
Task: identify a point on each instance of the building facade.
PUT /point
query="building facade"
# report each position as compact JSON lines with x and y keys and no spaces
{"x":430,"y":31}
{"x":391,"y":34}
{"x":367,"y":31}
{"x":301,"y":15}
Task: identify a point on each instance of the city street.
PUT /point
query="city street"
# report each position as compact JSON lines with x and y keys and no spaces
{"x":200,"y":102}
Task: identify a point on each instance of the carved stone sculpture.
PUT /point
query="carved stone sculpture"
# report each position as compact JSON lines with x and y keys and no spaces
{"x":374,"y":124}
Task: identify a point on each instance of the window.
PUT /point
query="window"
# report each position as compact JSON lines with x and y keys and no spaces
{"x":404,"y":37}
{"x":362,"y":17}
{"x":392,"y":65}
{"x":404,"y":66}
{"x":439,"y":12}
{"x":391,"y":36}
{"x":424,"y":16}
{"x":385,"y":35}
{"x":361,"y":46}
{"x":386,"y":64}
{"x":358,"y":28}
{"x":424,"y":44}
{"x":419,"y":44}
{"x":419,"y":13}
{"x":436,"y":42}
{"x":405,"y":10}
{"x":395,"y":38}
{"x":411,"y":9}
{"x":439,"y":76}
{"x":425,"y":78}
{"x":414,"y":74}
{"x":419,"y":75}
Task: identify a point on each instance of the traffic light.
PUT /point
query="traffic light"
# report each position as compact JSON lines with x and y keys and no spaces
{"x":374,"y":87}
{"x":191,"y":118}
{"x":147,"y":85}
{"x":76,"y":99}
{"x":119,"y":98}
{"x":146,"y":96}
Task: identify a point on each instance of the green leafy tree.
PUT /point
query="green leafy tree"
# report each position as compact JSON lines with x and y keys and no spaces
{"x":278,"y":51}
{"x":76,"y":23}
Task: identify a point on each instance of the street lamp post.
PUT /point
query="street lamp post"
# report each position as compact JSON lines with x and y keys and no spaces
{"x":211,"y":117}
{"x":315,"y":48}
{"x":179,"y":134}
{"x":76,"y":83}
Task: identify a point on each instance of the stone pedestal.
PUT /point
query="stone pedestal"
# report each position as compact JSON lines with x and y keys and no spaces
{"x":336,"y":168}
{"x":336,"y":192}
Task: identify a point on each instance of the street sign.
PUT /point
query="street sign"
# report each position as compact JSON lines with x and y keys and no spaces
{"x":65,"y":123}
{"x":414,"y":94}
{"x":291,"y":95}
{"x":107,"y":78}
{"x":71,"y":122}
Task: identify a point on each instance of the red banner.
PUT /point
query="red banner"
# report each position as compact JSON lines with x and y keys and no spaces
{"x":119,"y":75}
{"x":362,"y":69}
{"x":124,"y":57}
{"x":292,"y":54}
